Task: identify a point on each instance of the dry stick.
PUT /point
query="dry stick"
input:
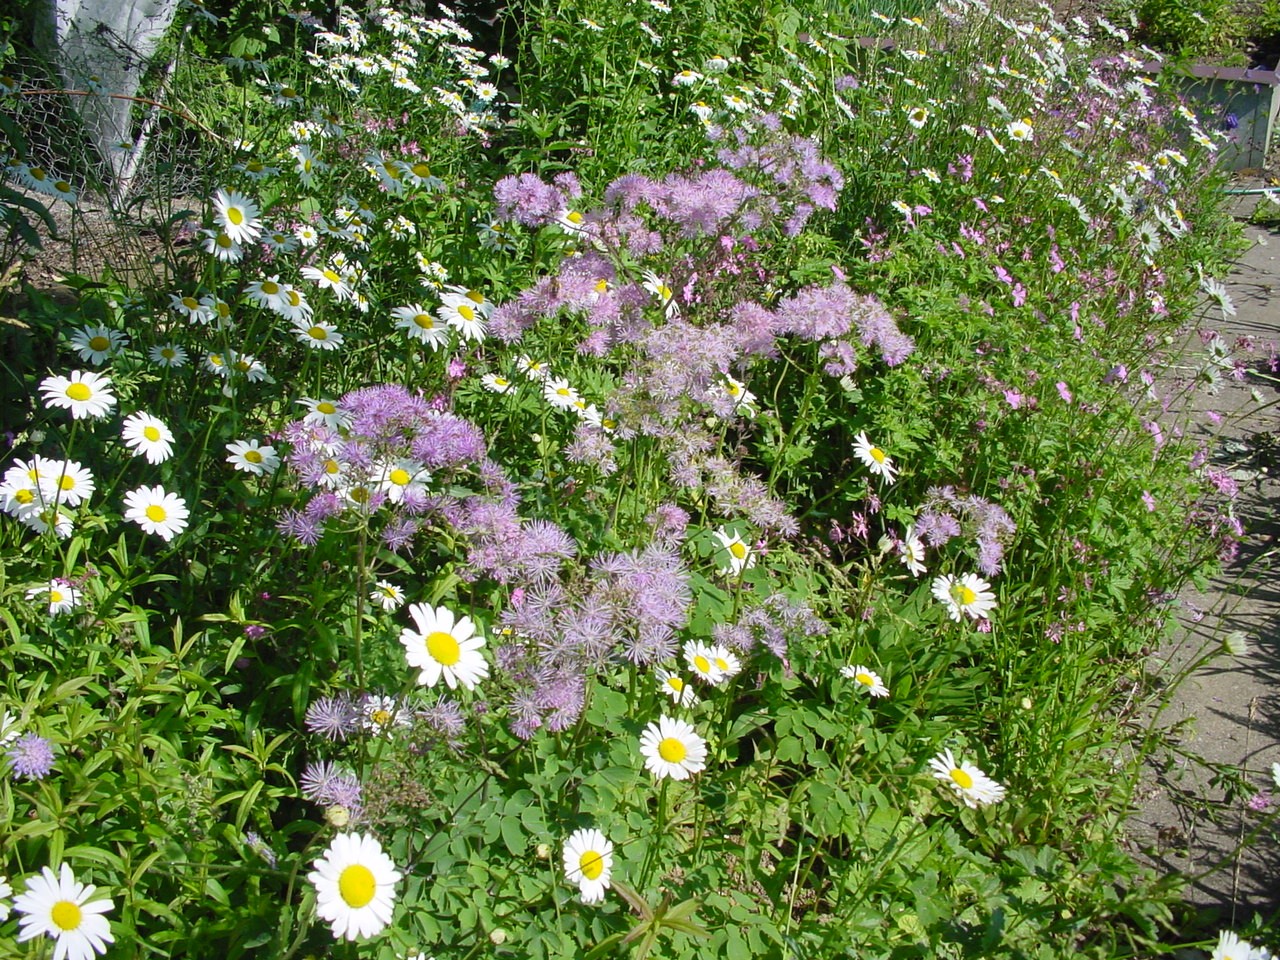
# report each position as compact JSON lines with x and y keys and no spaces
{"x":154,"y":104}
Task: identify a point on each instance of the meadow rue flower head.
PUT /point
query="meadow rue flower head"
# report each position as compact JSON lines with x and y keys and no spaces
{"x":588,"y":862}
{"x":969,"y":783}
{"x":672,"y":748}
{"x":355,"y":886}
{"x":333,"y":717}
{"x":61,"y":907}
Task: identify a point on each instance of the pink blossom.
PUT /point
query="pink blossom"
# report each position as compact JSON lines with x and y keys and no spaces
{"x":1064,"y":391}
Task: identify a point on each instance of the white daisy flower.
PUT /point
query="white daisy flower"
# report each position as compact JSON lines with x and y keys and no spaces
{"x":220,"y":246}
{"x":666,"y":296}
{"x":866,"y":678}
{"x":674,"y":686}
{"x":329,"y":279}
{"x":156,"y":511}
{"x":237,"y":215}
{"x":970,"y":784}
{"x":560,"y":394}
{"x":672,"y":748}
{"x":250,"y":456}
{"x":61,"y":596}
{"x":85,"y":394}
{"x":420,"y":325}
{"x":1231,"y":947}
{"x":147,"y":436}
{"x":267,"y":293}
{"x":325,"y":413}
{"x":97,"y":344}
{"x":387,"y":595}
{"x":741,"y":557}
{"x":63,"y":908}
{"x":355,"y":886}
{"x":443,"y":646}
{"x":588,"y":862}
{"x":465,"y":317}
{"x":318,"y":335}
{"x":910,"y":550}
{"x":193,"y":308}
{"x":532,"y":369}
{"x":380,"y":713}
{"x":168,"y":355}
{"x":1021,"y":131}
{"x":496,"y":383}
{"x":874,"y":458}
{"x":401,"y":477}
{"x":917,"y":116}
{"x":969,"y":595}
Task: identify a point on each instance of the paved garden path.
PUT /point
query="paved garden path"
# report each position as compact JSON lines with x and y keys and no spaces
{"x":1228,"y":712}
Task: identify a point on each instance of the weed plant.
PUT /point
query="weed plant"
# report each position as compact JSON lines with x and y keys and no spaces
{"x":694,"y":485}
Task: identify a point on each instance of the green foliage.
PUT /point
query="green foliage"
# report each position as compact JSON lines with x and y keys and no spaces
{"x":1198,"y":28}
{"x":865,"y":291}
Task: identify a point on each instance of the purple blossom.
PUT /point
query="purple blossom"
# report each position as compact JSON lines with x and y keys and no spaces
{"x":528,"y":200}
{"x":333,"y":717}
{"x":30,"y":757}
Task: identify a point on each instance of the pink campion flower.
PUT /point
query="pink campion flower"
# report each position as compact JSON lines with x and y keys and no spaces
{"x":1260,"y":802}
{"x":1002,"y":274}
{"x":1019,"y":294}
{"x":1014,"y":399}
{"x":1157,"y":435}
{"x":1064,"y":391}
{"x":1149,"y":501}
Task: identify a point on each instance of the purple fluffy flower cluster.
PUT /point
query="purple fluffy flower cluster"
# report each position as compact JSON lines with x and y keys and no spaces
{"x":378,"y":463}
{"x":803,"y":181}
{"x":946,"y":514}
{"x":626,"y":606}
{"x":771,"y":623}
{"x":325,"y":783}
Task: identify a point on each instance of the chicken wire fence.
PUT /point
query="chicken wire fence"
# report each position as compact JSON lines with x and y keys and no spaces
{"x":102,"y":132}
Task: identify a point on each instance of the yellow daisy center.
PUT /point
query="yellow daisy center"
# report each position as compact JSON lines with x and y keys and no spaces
{"x":270,"y":287}
{"x":865,"y":679}
{"x":357,"y":886}
{"x":962,"y":594}
{"x":739,"y":550}
{"x":157,"y":513}
{"x":574,"y":217}
{"x":99,"y":343}
{"x":215,"y":359}
{"x":424,"y":320}
{"x":332,"y":276}
{"x":253,"y":456}
{"x":67,"y":482}
{"x":288,"y":92}
{"x":672,"y":750}
{"x":235,"y":215}
{"x":24,"y":497}
{"x":79,"y":392}
{"x":62,"y":187}
{"x":38,"y":174}
{"x":562,"y":391}
{"x":318,"y":333}
{"x":443,"y":648}
{"x":877,"y":455}
{"x":676,"y":684}
{"x":55,"y":596}
{"x":602,"y":286}
{"x":168,"y":352}
{"x":225,"y":242}
{"x":722,"y":663}
{"x":294,"y":298}
{"x":331,"y":467}
{"x":400,"y":477}
{"x":191,"y":303}
{"x":476,"y":297}
{"x":360,"y":494}
{"x":420,"y":169}
{"x":591,"y":864}
{"x":381,"y":717}
{"x":66,"y":915}
{"x":325,"y":407}
{"x":702,"y":663}
{"x":466,"y":313}
{"x":962,"y":779}
{"x":243,"y":366}
{"x":151,"y":433}
{"x":391,"y":171}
